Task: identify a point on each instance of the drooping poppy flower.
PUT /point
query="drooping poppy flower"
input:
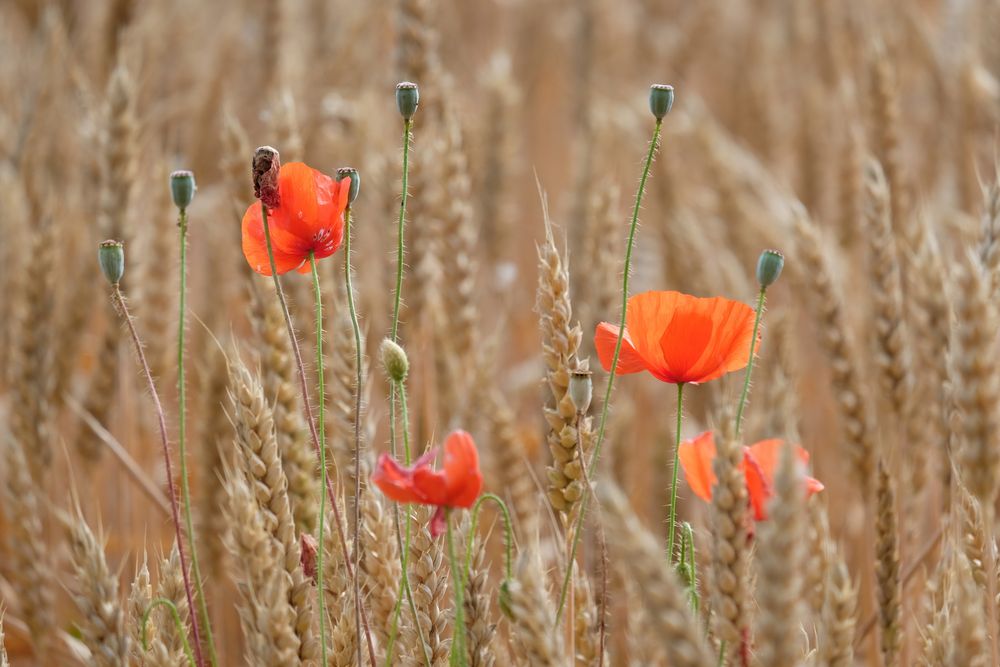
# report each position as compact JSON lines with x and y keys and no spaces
{"x":457,"y":485}
{"x":760,"y":461}
{"x":679,"y":338}
{"x":308,"y":217}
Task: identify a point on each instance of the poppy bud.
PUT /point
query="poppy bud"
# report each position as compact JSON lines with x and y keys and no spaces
{"x":182,"y":188}
{"x":769,"y":267}
{"x":351,"y":173}
{"x":111,"y":255}
{"x":394,"y":360}
{"x":581,"y":389}
{"x":264,"y":168}
{"x":307,"y":555}
{"x":407,"y":99}
{"x":661,"y":98}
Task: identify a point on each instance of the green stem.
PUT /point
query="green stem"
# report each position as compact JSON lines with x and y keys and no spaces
{"x":182,"y":450}
{"x":508,"y":535}
{"x":633,"y":227}
{"x":407,"y":124}
{"x":357,"y":423}
{"x":458,"y":638}
{"x":321,"y":414}
{"x":753,"y":344}
{"x":178,"y":625}
{"x":673,"y":480}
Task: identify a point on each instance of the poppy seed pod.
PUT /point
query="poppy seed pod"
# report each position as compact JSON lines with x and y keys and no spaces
{"x":111,"y":256}
{"x":769,"y":267}
{"x":394,"y":360}
{"x":581,"y":389}
{"x":182,"y":188}
{"x":265,"y":167}
{"x":661,"y":99}
{"x":407,"y":99}
{"x":351,"y":173}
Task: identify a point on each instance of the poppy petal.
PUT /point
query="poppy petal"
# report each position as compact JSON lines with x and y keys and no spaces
{"x":684,"y":343}
{"x":696,"y":456}
{"x":439,"y":523}
{"x":605,"y":340}
{"x":394,"y":480}
{"x":297,"y":187}
{"x":649,"y":314}
{"x":758,"y":485}
{"x":255,"y":244}
{"x":461,"y":470}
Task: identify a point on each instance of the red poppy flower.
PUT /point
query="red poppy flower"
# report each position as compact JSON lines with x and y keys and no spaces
{"x":679,"y":338}
{"x":309,"y":217}
{"x":457,"y":485}
{"x":760,"y":461}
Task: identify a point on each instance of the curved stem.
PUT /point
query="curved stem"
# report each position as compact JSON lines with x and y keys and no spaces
{"x":400,"y":228}
{"x":633,"y":227}
{"x":178,"y":623}
{"x":357,"y":423}
{"x":307,"y":407}
{"x":182,"y":446}
{"x":508,"y":534}
{"x":458,"y":638}
{"x":162,"y":422}
{"x":321,"y":403}
{"x":673,"y":480}
{"x":753,"y":344}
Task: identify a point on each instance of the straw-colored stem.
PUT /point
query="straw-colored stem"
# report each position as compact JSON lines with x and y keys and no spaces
{"x":673,"y":474}
{"x":753,"y":344}
{"x":162,"y":422}
{"x":307,"y":406}
{"x":321,"y":415}
{"x":182,"y":447}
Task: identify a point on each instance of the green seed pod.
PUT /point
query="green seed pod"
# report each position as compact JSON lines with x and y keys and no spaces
{"x":394,"y":360}
{"x":661,"y":99}
{"x":355,"y":176}
{"x":182,"y":188}
{"x":111,"y":256}
{"x":581,"y":389}
{"x":407,"y":99}
{"x":769,"y":267}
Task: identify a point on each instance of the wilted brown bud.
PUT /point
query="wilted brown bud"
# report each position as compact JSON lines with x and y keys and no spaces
{"x":308,"y":557}
{"x":265,"y":166}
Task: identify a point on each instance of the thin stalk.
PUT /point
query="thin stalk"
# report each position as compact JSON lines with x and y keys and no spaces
{"x":458,"y":638}
{"x":357,"y":424}
{"x":307,"y":407}
{"x":400,"y":249}
{"x":673,"y":480}
{"x":753,"y":344}
{"x":508,"y":535}
{"x":162,"y":422}
{"x":182,"y":444}
{"x":321,"y":398}
{"x":633,"y":227}
{"x":178,"y":624}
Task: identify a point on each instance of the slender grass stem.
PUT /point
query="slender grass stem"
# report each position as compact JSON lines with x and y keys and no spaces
{"x":307,"y":407}
{"x":182,"y":445}
{"x":633,"y":227}
{"x":508,"y":535}
{"x":753,"y":345}
{"x":673,"y":474}
{"x":400,"y":247}
{"x":178,"y":624}
{"x":458,"y":638}
{"x":162,"y":422}
{"x":321,"y":412}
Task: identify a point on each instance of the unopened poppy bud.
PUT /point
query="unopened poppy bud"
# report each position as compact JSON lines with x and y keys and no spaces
{"x":661,"y":98}
{"x":111,"y":256}
{"x":182,"y":188}
{"x":351,"y":173}
{"x":581,"y":389}
{"x":307,"y":555}
{"x":769,"y":267}
{"x":394,"y":360}
{"x":264,"y":169}
{"x":407,"y":99}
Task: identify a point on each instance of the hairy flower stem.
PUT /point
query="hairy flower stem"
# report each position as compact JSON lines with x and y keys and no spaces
{"x":357,"y":423}
{"x":458,"y":651}
{"x":673,"y":474}
{"x":633,"y":227}
{"x":307,"y":407}
{"x":178,"y":625}
{"x":753,"y":345}
{"x":400,"y":228}
{"x":508,"y":540}
{"x":321,"y":409}
{"x":404,"y":558}
{"x":182,"y":444}
{"x":162,"y":422}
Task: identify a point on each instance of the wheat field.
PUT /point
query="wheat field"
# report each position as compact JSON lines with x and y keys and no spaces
{"x":688,"y":309}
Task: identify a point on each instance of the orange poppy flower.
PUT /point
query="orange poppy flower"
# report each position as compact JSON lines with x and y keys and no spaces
{"x":760,"y":461}
{"x":679,"y":338}
{"x":457,"y":485}
{"x":309,"y":217}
